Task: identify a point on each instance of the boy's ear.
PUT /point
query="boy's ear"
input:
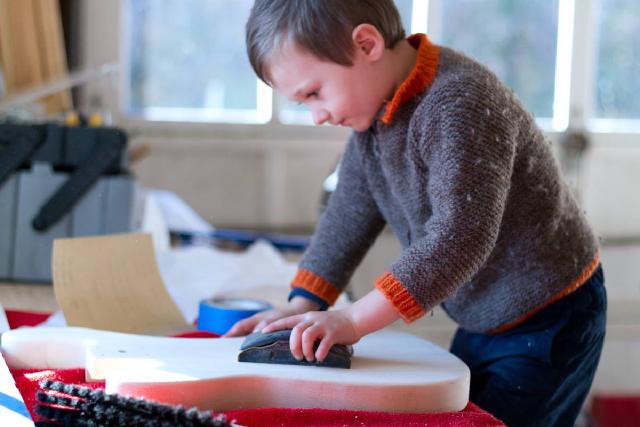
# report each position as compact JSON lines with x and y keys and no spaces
{"x":368,"y":41}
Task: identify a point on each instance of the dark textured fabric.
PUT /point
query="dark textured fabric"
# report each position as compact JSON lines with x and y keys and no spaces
{"x":469,"y":185}
{"x":539,"y":373}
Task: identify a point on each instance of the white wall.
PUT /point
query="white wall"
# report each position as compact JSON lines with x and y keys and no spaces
{"x":611,"y":187}
{"x":248,"y":183}
{"x":277,"y":183}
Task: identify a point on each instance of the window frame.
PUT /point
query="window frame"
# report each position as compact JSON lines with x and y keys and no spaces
{"x":574,"y":75}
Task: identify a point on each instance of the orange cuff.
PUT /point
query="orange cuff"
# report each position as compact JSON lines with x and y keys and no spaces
{"x":401,"y":299}
{"x":315,"y":284}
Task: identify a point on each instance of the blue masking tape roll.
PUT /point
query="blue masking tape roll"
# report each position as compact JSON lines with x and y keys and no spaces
{"x":218,"y":315}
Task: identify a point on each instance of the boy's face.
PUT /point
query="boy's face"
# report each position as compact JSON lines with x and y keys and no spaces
{"x":340,"y":95}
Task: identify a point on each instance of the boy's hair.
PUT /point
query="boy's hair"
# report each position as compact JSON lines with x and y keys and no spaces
{"x":321,"y":27}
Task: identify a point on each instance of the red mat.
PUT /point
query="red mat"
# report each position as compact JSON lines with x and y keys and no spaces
{"x":615,"y":409}
{"x":472,"y":416}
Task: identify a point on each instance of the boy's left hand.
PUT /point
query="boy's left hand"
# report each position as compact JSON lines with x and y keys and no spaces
{"x":330,"y":327}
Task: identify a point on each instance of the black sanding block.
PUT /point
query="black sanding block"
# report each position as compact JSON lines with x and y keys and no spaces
{"x":274,"y":348}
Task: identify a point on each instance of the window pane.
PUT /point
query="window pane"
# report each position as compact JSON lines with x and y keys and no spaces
{"x":188,"y":60}
{"x":514,"y":38}
{"x":618,"y":67}
{"x":292,"y":113}
{"x":404,"y":7}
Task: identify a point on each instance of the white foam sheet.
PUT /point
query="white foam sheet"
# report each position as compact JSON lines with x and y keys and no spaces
{"x":195,"y":273}
{"x":390,"y":371}
{"x":4,"y":323}
{"x":13,"y":411}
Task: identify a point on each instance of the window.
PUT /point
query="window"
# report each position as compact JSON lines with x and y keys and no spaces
{"x":187,"y":59}
{"x":187,"y":62}
{"x":515,"y":39}
{"x":617,"y":82}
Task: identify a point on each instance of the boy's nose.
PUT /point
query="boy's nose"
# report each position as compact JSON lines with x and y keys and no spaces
{"x":320,"y":116}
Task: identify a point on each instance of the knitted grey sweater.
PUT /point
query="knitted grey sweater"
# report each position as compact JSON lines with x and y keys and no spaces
{"x":466,"y":180}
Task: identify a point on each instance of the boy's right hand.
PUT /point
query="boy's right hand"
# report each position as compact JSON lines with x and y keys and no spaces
{"x":257,"y":322}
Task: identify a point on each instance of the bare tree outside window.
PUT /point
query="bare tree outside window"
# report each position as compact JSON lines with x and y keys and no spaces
{"x":189,"y":55}
{"x":514,"y":38}
{"x":187,"y":59}
{"x":618,"y":65}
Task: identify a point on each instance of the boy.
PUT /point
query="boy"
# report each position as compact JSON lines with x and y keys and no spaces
{"x":445,"y":154}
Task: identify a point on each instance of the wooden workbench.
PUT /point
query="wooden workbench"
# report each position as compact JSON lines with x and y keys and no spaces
{"x":28,"y":296}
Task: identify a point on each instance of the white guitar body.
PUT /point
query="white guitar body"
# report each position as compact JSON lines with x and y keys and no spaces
{"x":390,"y":371}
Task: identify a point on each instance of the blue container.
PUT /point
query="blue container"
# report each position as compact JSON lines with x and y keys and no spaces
{"x":218,"y":315}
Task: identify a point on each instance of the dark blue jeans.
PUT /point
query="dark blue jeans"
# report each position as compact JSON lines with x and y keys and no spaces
{"x":539,"y":373}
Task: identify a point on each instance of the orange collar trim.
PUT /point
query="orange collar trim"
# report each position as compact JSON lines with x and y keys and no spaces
{"x":419,"y":79}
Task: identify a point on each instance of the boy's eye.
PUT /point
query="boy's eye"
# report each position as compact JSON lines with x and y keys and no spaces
{"x":308,"y":96}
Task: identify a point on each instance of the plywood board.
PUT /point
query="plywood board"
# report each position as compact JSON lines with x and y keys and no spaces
{"x":52,"y":51}
{"x":32,"y":48}
{"x":112,"y":283}
{"x":21,"y":61}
